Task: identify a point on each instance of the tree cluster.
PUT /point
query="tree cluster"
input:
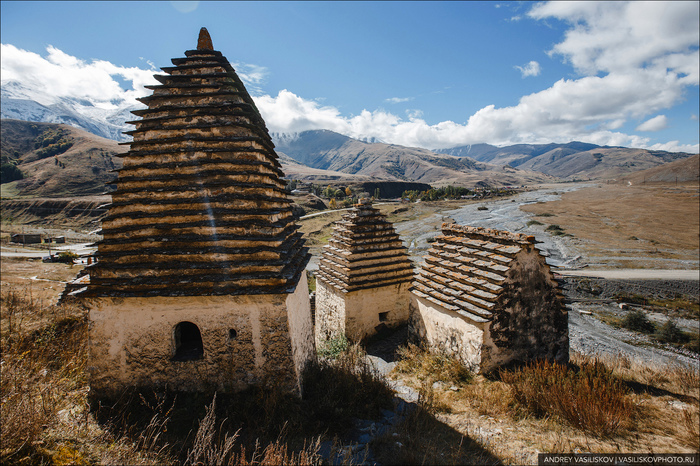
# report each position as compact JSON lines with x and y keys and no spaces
{"x":52,"y":142}
{"x":436,"y":194}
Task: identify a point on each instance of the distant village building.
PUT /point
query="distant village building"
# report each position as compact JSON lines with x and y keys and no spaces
{"x":489,"y":298}
{"x":363,"y":277}
{"x":26,"y":238}
{"x":200,"y":282}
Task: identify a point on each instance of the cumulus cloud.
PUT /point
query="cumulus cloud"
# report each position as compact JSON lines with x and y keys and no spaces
{"x":59,"y":75}
{"x":635,"y":60}
{"x":531,"y":69}
{"x":657,"y":123}
{"x":620,"y":36}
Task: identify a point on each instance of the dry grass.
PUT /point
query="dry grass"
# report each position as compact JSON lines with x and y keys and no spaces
{"x":626,"y":226}
{"x":486,"y":411}
{"x":344,"y":388}
{"x":430,"y":366}
{"x":589,"y":396}
{"x":422,"y":438}
{"x":43,"y":357}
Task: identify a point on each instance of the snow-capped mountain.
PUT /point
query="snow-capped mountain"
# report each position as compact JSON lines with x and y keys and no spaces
{"x":18,"y":102}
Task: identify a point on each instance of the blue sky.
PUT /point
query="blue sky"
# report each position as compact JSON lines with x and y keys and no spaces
{"x":428,"y":74}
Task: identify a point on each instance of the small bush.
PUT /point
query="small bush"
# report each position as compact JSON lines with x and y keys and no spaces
{"x":670,"y":333}
{"x":533,"y":222}
{"x":590,"y":398}
{"x":482,"y":207}
{"x":67,"y":257}
{"x":637,"y":320}
{"x":9,"y":172}
{"x":334,"y":347}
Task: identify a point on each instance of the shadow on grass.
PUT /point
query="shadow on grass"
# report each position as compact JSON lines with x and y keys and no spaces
{"x":420,"y":438}
{"x":335,"y":394}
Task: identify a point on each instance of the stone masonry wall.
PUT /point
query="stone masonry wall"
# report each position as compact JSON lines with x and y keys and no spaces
{"x":132,"y":343}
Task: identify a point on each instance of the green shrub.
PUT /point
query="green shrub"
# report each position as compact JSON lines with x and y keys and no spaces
{"x":334,"y":347}
{"x":9,"y":172}
{"x":637,"y":320}
{"x":670,"y":333}
{"x":67,"y":257}
{"x":533,"y":222}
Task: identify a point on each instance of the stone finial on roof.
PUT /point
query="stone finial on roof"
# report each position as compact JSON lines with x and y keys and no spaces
{"x":204,"y":42}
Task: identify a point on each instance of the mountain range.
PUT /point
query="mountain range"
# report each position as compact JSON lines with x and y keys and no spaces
{"x":319,"y":155}
{"x":18,"y":102}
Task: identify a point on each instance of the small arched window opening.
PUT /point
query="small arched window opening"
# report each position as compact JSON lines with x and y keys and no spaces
{"x":188,"y":342}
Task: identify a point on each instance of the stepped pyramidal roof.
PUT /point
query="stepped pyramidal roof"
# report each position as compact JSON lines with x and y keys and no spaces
{"x":200,"y":207}
{"x":467,"y":268}
{"x":364,"y":251}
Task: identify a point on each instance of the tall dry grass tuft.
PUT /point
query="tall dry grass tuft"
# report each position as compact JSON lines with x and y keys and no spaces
{"x":589,"y":397}
{"x":428,"y":365}
{"x":43,"y":357}
{"x":207,"y":449}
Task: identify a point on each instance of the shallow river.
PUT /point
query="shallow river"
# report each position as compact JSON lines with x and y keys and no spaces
{"x":502,"y":214}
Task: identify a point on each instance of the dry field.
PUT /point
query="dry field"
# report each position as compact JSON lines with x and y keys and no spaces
{"x":652,"y":226}
{"x":44,"y":283}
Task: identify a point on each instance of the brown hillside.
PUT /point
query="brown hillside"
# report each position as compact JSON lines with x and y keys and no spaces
{"x":327,"y":150}
{"x":683,"y":171}
{"x":297,"y":171}
{"x":598,"y":164}
{"x":84,"y":168}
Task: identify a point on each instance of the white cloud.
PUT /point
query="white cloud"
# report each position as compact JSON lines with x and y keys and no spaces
{"x":676,"y":146}
{"x":619,"y":36}
{"x":531,"y":69}
{"x":414,"y":113}
{"x":398,"y":100}
{"x":618,"y":83}
{"x":694,"y":117}
{"x":62,"y":75}
{"x":657,"y":123}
